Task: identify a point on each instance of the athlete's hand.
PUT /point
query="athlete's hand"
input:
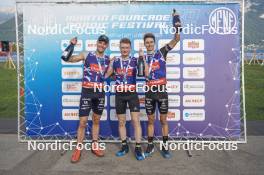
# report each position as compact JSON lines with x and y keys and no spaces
{"x":73,"y":41}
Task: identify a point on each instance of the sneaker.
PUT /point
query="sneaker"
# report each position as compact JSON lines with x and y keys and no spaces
{"x":96,"y":150}
{"x":165,"y":153}
{"x":76,"y":155}
{"x":138,"y":153}
{"x":150,"y":150}
{"x":124,"y":150}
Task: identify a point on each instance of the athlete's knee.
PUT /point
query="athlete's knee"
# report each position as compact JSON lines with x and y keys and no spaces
{"x":96,"y":119}
{"x":151,"y":120}
{"x":136,"y":121}
{"x":122,"y":123}
{"x":163,"y":121}
{"x":82,"y":123}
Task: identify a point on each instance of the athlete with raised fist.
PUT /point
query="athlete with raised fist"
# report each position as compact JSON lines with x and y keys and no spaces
{"x":155,"y":72}
{"x":92,"y":98}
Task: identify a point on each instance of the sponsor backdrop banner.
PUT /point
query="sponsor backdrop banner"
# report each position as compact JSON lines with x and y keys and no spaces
{"x":203,"y":70}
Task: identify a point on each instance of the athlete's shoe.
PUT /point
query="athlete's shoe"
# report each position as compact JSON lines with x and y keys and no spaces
{"x":165,"y":153}
{"x":150,"y":150}
{"x":76,"y":155}
{"x":96,"y":150}
{"x":138,"y":153}
{"x":124,"y":150}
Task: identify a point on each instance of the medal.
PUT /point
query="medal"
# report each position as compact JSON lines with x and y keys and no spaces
{"x":126,"y":70}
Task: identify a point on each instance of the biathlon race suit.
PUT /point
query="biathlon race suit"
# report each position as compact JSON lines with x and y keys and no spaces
{"x":125,"y":75}
{"x":157,"y":80}
{"x":94,"y":70}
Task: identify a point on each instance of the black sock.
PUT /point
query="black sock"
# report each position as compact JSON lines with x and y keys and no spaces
{"x":150,"y":140}
{"x":138,"y":146}
{"x":124,"y":142}
{"x":165,"y":139}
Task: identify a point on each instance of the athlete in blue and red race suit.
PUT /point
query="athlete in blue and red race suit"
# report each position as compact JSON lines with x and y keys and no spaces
{"x":155,"y":72}
{"x":92,"y":98}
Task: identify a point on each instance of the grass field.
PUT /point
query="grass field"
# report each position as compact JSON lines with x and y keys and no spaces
{"x":254,"y":84}
{"x":8,"y":92}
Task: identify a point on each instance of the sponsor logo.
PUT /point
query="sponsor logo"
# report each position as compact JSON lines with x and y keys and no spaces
{"x":193,"y":58}
{"x":90,"y":45}
{"x":71,"y":73}
{"x":223,"y":21}
{"x":173,"y":72}
{"x":71,"y":100}
{"x":71,"y":87}
{"x":73,"y":114}
{"x":139,"y":44}
{"x":193,"y":100}
{"x":193,"y":44}
{"x":114,"y":45}
{"x":163,"y":42}
{"x":173,"y":86}
{"x":193,"y":115}
{"x":70,"y":114}
{"x":193,"y":86}
{"x":174,"y":101}
{"x":193,"y":72}
{"x":173,"y":59}
{"x":173,"y":115}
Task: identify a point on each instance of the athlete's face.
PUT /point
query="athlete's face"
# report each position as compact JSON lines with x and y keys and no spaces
{"x":101,"y":46}
{"x":149,"y":44}
{"x":125,"y":49}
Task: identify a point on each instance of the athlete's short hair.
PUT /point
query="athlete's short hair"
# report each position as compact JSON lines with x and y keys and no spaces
{"x":149,"y":35}
{"x":125,"y":40}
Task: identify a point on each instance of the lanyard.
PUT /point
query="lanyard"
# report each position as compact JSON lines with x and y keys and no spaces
{"x":121,"y":65}
{"x":150,"y":65}
{"x":100,"y":66}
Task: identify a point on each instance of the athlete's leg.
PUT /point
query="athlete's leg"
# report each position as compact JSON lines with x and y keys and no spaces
{"x":98,"y":107}
{"x":137,"y":126}
{"x":122,"y":126}
{"x":80,"y":136}
{"x":163,"y":109}
{"x":151,"y":121}
{"x":164,"y":124}
{"x":96,"y":126}
{"x":150,"y":104}
{"x":81,"y":129}
{"x":133,"y":103}
{"x":121,"y":105}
